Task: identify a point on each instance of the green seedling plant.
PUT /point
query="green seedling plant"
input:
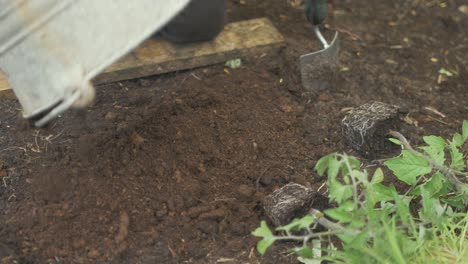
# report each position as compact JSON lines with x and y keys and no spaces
{"x":373,"y":222}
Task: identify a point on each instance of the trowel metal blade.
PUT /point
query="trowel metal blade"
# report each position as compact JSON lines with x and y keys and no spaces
{"x":315,"y":65}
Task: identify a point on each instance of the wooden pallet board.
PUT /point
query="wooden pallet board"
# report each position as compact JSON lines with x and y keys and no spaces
{"x":155,"y":56}
{"x":3,"y":82}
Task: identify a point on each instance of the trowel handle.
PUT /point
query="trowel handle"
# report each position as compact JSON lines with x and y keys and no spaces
{"x":316,"y":11}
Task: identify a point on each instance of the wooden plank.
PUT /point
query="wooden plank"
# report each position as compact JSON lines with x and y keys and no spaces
{"x":3,"y":82}
{"x":156,"y":56}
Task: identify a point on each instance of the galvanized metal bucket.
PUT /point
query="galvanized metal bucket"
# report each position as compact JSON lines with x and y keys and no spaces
{"x":51,"y":49}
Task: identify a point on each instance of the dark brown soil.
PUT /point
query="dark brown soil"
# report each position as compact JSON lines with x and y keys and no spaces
{"x":172,"y":169}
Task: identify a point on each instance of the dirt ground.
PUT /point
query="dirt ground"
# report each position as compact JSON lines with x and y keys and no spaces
{"x":173,"y":168}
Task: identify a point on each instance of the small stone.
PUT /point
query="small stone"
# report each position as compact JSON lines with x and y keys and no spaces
{"x":110,"y":116}
{"x":463,"y":9}
{"x":289,"y":202}
{"x":178,"y":176}
{"x":292,"y":108}
{"x":286,"y":108}
{"x":123,"y":227}
{"x":137,"y":139}
{"x":201,"y":168}
{"x":366,"y":128}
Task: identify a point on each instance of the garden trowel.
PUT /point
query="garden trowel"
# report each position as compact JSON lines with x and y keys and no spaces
{"x":315,"y":65}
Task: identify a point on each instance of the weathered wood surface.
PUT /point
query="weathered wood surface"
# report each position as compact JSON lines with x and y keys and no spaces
{"x":3,"y":82}
{"x":156,"y":56}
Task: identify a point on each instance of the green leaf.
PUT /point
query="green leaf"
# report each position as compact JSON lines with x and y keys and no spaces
{"x":437,"y":157}
{"x":435,"y":148}
{"x":409,"y":247}
{"x":346,"y":179}
{"x":333,"y":167}
{"x":380,"y":193}
{"x":437,"y":185}
{"x":445,"y":72}
{"x":268,"y":237}
{"x":339,"y":192}
{"x":403,"y":208}
{"x":339,"y":215}
{"x":438,"y":143}
{"x":233,"y":64}
{"x":348,"y":206}
{"x":312,"y":255}
{"x":408,"y":167}
{"x":322,"y":164}
{"x":264,"y":244}
{"x":360,"y":175}
{"x":346,"y":237}
{"x":395,"y":141}
{"x":345,"y":214}
{"x":456,"y":201}
{"x":298,"y":224}
{"x":359,"y":240}
{"x":378,"y":176}
{"x":309,"y":261}
{"x":394,"y":247}
{"x":354,"y":164}
{"x":263,"y":230}
{"x":458,"y":162}
{"x":432,"y":210}
{"x":458,"y":139}
{"x":304,"y":252}
{"x":465,"y":130}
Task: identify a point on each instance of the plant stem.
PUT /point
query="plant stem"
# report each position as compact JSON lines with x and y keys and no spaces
{"x":309,"y":236}
{"x":350,"y":170}
{"x":321,"y":220}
